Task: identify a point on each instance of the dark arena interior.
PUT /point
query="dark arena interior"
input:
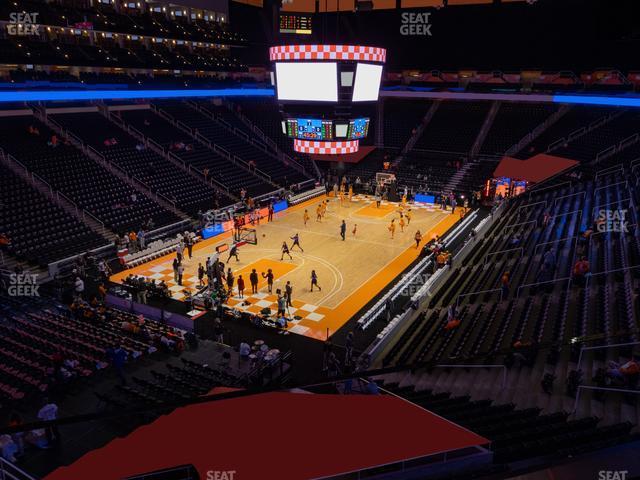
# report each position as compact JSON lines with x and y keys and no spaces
{"x":288,"y":239}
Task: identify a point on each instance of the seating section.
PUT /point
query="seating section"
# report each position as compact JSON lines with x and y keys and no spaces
{"x":40,"y":232}
{"x":219,"y":135}
{"x":266,"y":116}
{"x":161,"y":175}
{"x":519,"y":434}
{"x":454,"y":127}
{"x":36,"y":332}
{"x":530,"y":313}
{"x":586,"y":147}
{"x":576,"y":118}
{"x":512,"y":122}
{"x":400,"y":118}
{"x":105,"y":18}
{"x":86,"y":183}
{"x":199,"y":156}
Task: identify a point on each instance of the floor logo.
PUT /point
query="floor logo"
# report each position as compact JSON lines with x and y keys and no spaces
{"x":415,"y":24}
{"x":23,"y":24}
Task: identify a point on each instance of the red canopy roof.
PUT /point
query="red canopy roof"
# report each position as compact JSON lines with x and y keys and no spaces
{"x":535,"y":169}
{"x":277,"y":435}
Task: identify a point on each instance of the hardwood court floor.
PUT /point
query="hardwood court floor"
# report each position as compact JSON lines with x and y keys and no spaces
{"x":350,"y":272}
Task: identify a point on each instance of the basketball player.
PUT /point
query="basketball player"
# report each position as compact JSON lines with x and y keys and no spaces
{"x":296,"y":242}
{"x":323,"y":208}
{"x":350,"y":193}
{"x":378,"y":200}
{"x":269,"y":277}
{"x":355,"y":229}
{"x":401,"y":223}
{"x":253,"y":278}
{"x":305,"y":217}
{"x":314,"y":280}
{"x":408,"y":215}
{"x":285,"y":249}
{"x":319,"y":212}
{"x":418,"y":238}
{"x":233,"y":253}
{"x":343,"y":229}
{"x":392,"y":227}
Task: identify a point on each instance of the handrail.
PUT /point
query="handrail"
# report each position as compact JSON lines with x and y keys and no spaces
{"x":548,"y":187}
{"x":556,"y":144}
{"x":67,"y":199}
{"x":136,"y":179}
{"x":504,"y":370}
{"x":576,"y":133}
{"x":155,"y":145}
{"x":8,"y":471}
{"x":562,"y":279}
{"x":625,"y":182}
{"x":184,"y":127}
{"x":166,"y":199}
{"x":519,"y":224}
{"x":598,"y":347}
{"x":606,"y":153}
{"x":37,"y":177}
{"x":602,"y":389}
{"x":583,"y":193}
{"x":96,"y":219}
{"x":526,"y":205}
{"x":608,"y":170}
{"x":475,"y":293}
{"x":612,"y":202}
{"x":204,"y":139}
{"x":504,"y":251}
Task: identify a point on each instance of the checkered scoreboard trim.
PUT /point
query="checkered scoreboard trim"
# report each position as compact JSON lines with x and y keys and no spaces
{"x":328,"y":52}
{"x":326,"y":148}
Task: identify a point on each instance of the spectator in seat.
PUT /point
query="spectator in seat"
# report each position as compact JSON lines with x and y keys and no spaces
{"x":244,"y":350}
{"x":504,"y":289}
{"x":49,"y":412}
{"x":580,"y":270}
{"x":78,"y":287}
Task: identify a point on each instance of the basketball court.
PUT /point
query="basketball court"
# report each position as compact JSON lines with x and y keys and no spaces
{"x":350,"y":272}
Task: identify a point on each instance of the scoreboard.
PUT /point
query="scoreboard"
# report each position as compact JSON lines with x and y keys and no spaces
{"x":358,"y":128}
{"x":325,"y":129}
{"x":309,"y":129}
{"x":298,"y":24}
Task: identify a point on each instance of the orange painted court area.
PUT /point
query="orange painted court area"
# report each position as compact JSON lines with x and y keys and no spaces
{"x":350,"y":272}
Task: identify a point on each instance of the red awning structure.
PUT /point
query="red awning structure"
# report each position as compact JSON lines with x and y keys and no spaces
{"x":535,"y":169}
{"x":278,"y":435}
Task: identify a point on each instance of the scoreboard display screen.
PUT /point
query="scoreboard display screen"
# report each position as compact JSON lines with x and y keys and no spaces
{"x":297,"y":24}
{"x":358,"y":128}
{"x":309,"y":129}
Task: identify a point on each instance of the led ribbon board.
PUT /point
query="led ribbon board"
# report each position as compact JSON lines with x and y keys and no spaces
{"x":326,"y":148}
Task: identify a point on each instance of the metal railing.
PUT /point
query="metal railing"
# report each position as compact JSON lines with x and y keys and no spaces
{"x":601,"y":389}
{"x":504,"y":251}
{"x":8,"y":471}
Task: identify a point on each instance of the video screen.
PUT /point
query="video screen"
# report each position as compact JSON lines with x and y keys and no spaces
{"x":367,"y":84}
{"x":309,"y":129}
{"x":296,"y":24}
{"x":358,"y":128}
{"x":307,"y":81}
